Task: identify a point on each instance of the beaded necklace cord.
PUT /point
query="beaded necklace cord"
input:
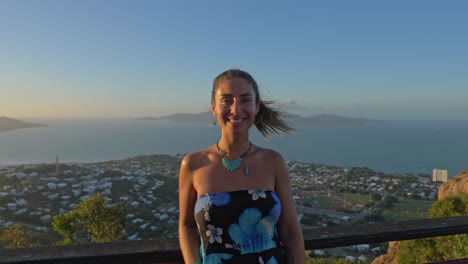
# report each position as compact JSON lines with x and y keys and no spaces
{"x":232,"y":165}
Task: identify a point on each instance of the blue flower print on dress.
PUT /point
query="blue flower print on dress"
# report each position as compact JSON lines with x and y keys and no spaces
{"x":275,"y":197}
{"x":206,"y":207}
{"x":221,"y":198}
{"x":275,"y":211}
{"x":214,"y":234}
{"x":233,"y":246}
{"x":272,"y":260}
{"x":241,"y":230}
{"x":252,"y":232}
{"x":260,"y":260}
{"x":257,"y":194}
{"x":216,"y":258}
{"x":204,"y":202}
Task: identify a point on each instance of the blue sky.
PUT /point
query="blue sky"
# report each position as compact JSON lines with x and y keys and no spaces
{"x":95,"y":59}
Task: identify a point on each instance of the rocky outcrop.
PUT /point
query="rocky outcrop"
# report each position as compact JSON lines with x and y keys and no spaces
{"x":458,"y":184}
{"x":391,"y":256}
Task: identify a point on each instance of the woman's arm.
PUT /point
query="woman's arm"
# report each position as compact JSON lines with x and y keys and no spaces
{"x":289,"y":229}
{"x":189,"y":238}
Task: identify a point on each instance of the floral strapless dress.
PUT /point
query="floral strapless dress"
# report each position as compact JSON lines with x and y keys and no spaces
{"x":239,"y":227}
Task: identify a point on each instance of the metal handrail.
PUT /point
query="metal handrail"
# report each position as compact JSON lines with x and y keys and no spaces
{"x":168,"y":251}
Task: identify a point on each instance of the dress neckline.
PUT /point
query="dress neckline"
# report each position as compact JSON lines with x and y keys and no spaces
{"x":235,"y":191}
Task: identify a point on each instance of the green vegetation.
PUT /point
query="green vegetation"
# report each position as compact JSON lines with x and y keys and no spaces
{"x":354,"y":198}
{"x":407,"y":210}
{"x":391,"y":208}
{"x":120,"y":187}
{"x":4,"y":180}
{"x":324,"y":202}
{"x":439,"y":248}
{"x":311,"y":219}
{"x":318,"y":201}
{"x":47,"y":168}
{"x":92,"y":221}
{"x":334,"y":260}
{"x":16,"y":237}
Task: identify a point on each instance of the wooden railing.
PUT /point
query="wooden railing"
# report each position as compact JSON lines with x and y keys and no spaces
{"x":167,"y":251}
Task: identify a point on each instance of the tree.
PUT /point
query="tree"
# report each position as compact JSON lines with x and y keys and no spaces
{"x":451,"y":205}
{"x":439,"y":248}
{"x":376,"y":197}
{"x":16,"y":237}
{"x":386,"y":204}
{"x":392,"y":199}
{"x":374,"y":217}
{"x":93,"y":220}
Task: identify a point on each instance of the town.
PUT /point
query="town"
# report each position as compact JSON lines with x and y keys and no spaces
{"x":31,"y":194}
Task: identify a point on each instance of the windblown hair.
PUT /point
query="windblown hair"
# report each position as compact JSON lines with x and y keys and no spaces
{"x":268,"y":120}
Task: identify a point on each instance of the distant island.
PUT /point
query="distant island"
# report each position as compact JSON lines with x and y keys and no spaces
{"x":320,"y":119}
{"x":7,"y":124}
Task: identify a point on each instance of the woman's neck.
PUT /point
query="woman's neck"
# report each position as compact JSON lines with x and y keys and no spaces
{"x":234,"y":146}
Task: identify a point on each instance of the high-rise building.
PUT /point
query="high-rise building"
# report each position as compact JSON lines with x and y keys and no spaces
{"x":439,"y":175}
{"x":57,"y":165}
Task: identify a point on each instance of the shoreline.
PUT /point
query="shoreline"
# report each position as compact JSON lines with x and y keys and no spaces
{"x":178,"y":155}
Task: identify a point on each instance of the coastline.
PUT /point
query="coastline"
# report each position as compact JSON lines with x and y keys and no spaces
{"x":392,"y":147}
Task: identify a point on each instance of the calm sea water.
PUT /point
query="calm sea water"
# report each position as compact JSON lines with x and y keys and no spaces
{"x":394,"y":146}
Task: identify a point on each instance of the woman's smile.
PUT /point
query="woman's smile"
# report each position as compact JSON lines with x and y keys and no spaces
{"x":235,"y":105}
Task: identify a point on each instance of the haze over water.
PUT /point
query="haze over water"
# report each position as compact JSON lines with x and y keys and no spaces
{"x":395,"y":146}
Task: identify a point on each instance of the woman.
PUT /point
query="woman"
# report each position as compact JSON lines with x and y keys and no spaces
{"x":235,"y":198}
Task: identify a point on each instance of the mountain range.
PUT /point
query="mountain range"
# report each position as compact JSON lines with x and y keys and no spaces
{"x":319,"y":119}
{"x":7,"y":124}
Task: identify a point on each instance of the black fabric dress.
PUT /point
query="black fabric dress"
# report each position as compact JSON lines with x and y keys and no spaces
{"x":239,"y":227}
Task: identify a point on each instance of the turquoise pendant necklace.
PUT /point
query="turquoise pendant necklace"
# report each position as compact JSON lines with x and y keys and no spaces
{"x":232,"y":165}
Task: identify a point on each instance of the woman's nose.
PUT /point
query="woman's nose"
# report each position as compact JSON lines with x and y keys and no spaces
{"x":235,"y":107}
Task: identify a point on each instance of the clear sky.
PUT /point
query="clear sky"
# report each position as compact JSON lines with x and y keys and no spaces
{"x":94,"y":59}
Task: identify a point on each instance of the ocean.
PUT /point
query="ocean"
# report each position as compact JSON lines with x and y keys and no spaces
{"x":396,"y":146}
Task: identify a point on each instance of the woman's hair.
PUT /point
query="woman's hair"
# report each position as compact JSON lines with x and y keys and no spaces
{"x":268,"y":120}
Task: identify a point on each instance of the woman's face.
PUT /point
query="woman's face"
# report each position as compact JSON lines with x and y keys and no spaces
{"x":234,"y":105}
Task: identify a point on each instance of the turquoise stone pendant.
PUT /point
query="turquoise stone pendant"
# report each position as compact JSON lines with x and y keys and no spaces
{"x":231,"y":165}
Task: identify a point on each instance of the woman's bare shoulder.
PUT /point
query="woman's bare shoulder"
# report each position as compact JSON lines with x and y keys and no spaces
{"x":269,"y":154}
{"x":196,"y":159}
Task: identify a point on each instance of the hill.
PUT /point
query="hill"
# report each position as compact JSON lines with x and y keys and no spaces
{"x":7,"y":124}
{"x":456,"y":185}
{"x":320,"y":119}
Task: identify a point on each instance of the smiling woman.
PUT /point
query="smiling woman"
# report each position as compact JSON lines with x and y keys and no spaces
{"x":240,"y":214}
{"x":267,"y":120}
